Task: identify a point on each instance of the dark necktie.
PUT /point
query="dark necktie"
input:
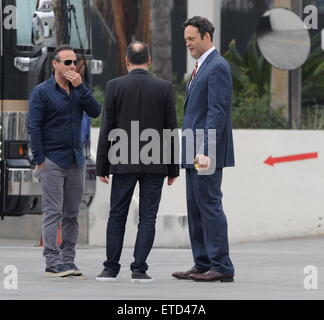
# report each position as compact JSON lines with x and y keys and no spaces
{"x":194,"y":72}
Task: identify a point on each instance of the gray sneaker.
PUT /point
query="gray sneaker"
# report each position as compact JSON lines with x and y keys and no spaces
{"x":72,"y":266}
{"x":141,"y":277}
{"x":106,"y":275}
{"x":59,"y":270}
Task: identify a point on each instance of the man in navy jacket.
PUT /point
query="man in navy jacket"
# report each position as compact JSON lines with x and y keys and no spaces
{"x":207,"y":108}
{"x":56,"y":108}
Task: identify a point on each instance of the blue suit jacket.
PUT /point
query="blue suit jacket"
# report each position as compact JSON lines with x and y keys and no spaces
{"x":208,"y":106}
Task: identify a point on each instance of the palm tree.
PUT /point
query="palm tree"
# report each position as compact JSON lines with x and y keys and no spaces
{"x":60,"y":10}
{"x":129,"y":20}
{"x":161,"y":38}
{"x":252,"y":63}
{"x":148,"y":21}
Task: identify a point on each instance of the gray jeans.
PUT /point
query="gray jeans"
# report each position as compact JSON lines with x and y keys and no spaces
{"x":61,"y":198}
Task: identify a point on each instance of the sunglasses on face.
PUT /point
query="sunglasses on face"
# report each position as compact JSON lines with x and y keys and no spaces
{"x":68,"y":62}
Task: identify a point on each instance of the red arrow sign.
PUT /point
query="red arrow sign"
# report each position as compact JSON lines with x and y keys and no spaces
{"x":271,"y":161}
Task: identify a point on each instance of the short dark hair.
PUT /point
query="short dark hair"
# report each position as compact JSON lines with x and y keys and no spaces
{"x":204,"y":26}
{"x":60,"y":48}
{"x":138,"y":55}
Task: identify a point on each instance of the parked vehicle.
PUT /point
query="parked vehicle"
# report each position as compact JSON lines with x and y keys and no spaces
{"x":30,"y":31}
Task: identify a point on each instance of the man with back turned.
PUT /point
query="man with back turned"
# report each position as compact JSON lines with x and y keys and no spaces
{"x":141,"y":101}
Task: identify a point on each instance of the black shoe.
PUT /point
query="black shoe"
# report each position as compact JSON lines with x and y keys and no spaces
{"x":141,"y":277}
{"x":106,"y":275}
{"x":72,"y":266}
{"x":60,"y":270}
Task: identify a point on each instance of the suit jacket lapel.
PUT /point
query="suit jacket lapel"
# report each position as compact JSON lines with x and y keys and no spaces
{"x":187,"y":88}
{"x":200,"y":71}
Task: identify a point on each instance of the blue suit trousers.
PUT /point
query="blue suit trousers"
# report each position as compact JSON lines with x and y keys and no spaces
{"x":207,"y":222}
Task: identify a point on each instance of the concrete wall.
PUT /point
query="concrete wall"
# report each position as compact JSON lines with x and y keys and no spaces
{"x":29,"y":227}
{"x":261,"y":202}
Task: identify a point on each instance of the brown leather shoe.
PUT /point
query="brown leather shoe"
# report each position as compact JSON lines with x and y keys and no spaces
{"x":211,"y":275}
{"x":185,"y":275}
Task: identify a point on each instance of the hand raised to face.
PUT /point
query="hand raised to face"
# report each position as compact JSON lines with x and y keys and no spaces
{"x":73,"y":77}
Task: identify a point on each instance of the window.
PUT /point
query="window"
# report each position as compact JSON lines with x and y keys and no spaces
{"x":80,"y":6}
{"x":26,"y":10}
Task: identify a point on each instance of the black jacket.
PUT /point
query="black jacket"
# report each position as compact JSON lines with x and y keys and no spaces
{"x":138,"y":100}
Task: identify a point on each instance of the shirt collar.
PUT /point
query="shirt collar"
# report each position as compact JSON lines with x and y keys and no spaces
{"x":139,"y":70}
{"x":52,"y":81}
{"x":204,"y":56}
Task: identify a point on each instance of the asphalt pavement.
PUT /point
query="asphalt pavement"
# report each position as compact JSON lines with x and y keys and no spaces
{"x":271,"y":270}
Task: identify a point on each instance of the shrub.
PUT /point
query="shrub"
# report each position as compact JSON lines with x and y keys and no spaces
{"x":99,"y":95}
{"x":252,"y":111}
{"x":313,"y":118}
{"x":251,"y":92}
{"x":179,"y":90}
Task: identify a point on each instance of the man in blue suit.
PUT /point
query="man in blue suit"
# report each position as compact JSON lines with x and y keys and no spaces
{"x":207,"y":108}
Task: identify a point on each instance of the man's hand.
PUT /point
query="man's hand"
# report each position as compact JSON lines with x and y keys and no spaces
{"x":202,"y":162}
{"x":171,"y":181}
{"x":73,"y":77}
{"x":104,"y":179}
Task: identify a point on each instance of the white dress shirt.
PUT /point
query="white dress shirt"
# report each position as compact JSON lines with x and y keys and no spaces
{"x":204,"y":57}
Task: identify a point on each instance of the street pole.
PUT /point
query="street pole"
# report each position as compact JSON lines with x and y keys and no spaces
{"x":280,"y":78}
{"x":295,"y":81}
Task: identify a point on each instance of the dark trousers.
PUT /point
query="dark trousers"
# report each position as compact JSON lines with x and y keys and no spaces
{"x":122,"y":189}
{"x":207,"y":222}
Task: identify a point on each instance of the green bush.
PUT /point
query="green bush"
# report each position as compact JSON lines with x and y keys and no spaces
{"x":179,"y":90}
{"x":99,"y":95}
{"x":313,"y":118}
{"x":252,"y":111}
{"x":179,"y":96}
{"x":252,"y":64}
{"x":313,"y":76}
{"x":251,"y":96}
